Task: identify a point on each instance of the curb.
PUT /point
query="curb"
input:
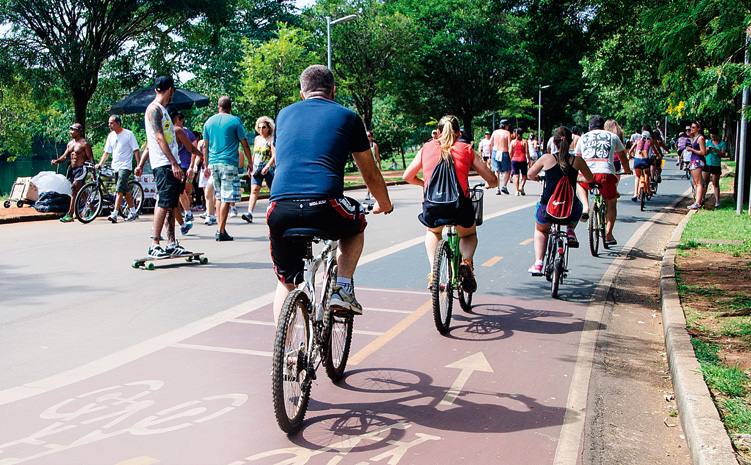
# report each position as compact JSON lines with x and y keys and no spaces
{"x":707,"y":439}
{"x":21,"y":219}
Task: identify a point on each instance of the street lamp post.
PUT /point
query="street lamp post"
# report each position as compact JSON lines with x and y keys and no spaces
{"x":330,"y":23}
{"x":539,"y":111}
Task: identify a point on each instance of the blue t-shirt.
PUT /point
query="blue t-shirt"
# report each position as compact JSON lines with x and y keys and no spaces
{"x":184,"y":153}
{"x":713,"y":158}
{"x":313,"y":140}
{"x":224,"y":132}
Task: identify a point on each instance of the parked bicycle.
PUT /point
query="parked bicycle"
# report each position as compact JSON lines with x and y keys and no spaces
{"x":308,"y":333}
{"x":446,"y":263}
{"x":97,"y":195}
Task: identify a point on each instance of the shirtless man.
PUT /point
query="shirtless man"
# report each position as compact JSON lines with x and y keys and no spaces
{"x":501,"y":162}
{"x":79,"y":151}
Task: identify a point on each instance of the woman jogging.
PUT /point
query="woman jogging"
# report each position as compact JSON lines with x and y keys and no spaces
{"x":263,"y":162}
{"x":446,"y":147}
{"x":556,"y":166}
{"x":698,"y":150}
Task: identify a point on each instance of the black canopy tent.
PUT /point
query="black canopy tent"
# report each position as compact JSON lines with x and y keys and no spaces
{"x":136,"y":102}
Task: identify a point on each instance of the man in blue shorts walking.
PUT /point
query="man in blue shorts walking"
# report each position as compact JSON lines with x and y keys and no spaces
{"x":313,"y":140}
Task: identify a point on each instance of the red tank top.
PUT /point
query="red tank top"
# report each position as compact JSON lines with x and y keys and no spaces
{"x":463,"y":156}
{"x":518,"y":154}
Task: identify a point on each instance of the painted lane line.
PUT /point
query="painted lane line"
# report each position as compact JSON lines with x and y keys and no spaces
{"x":389,"y":310}
{"x":492,"y":261}
{"x":140,"y":461}
{"x":228,"y":350}
{"x":390,"y":334}
{"x":142,"y":349}
{"x":574,"y":420}
{"x":525,"y":242}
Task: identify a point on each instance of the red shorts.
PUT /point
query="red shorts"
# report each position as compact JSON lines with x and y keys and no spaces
{"x":609,"y":189}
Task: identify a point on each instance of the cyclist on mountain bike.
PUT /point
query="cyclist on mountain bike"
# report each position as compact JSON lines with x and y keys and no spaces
{"x":313,"y":140}
{"x":598,"y":148}
{"x":556,"y":166}
{"x":464,"y":158}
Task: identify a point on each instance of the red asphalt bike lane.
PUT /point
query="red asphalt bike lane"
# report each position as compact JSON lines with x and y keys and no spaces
{"x":493,"y":390}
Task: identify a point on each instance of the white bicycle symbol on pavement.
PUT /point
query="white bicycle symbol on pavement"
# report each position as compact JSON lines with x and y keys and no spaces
{"x":112,"y":411}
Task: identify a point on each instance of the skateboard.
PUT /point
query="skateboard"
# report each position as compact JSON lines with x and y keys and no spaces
{"x":148,"y":262}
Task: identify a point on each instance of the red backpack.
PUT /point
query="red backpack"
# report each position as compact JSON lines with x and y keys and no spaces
{"x":561,"y":202}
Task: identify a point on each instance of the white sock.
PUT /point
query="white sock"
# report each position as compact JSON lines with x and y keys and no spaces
{"x":344,"y":283}
{"x":133,"y":210}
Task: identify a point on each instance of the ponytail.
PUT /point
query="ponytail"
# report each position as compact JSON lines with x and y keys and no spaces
{"x":449,"y":127}
{"x":562,"y":139}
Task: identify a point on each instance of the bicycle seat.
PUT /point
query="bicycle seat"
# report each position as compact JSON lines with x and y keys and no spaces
{"x":308,"y":234}
{"x":595,"y":185}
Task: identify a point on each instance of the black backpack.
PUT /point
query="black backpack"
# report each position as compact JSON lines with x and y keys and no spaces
{"x":443,"y":192}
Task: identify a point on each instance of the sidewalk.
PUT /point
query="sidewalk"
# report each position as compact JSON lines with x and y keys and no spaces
{"x":17,"y":215}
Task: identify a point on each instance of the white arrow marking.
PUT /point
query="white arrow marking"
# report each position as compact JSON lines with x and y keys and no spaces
{"x":476,"y":362}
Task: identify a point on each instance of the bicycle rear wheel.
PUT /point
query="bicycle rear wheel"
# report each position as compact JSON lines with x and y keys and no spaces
{"x":136,"y":191}
{"x":593,"y":228}
{"x":88,"y":203}
{"x":290,"y":382}
{"x":603,"y":221}
{"x":441,"y":288}
{"x":642,"y":198}
{"x":338,"y":330}
{"x":557,"y":275}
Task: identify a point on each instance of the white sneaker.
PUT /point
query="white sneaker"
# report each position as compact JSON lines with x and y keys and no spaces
{"x":233,"y":212}
{"x":210,"y":219}
{"x":343,"y":301}
{"x":113,"y":216}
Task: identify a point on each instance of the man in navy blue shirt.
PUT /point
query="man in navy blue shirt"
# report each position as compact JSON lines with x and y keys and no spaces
{"x":312,"y":142}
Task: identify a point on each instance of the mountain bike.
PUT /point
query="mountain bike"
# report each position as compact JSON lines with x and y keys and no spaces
{"x":308,"y":333}
{"x":556,"y":258}
{"x":446,"y":263}
{"x":96,"y":195}
{"x":597,"y":220}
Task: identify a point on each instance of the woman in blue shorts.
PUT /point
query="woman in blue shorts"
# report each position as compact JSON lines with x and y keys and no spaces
{"x":556,"y":166}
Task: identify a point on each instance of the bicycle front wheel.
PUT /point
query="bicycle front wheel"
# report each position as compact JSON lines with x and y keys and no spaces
{"x":290,"y":382}
{"x":88,"y":203}
{"x":593,"y":228}
{"x":441,"y":288}
{"x":642,"y":199}
{"x":135,"y":189}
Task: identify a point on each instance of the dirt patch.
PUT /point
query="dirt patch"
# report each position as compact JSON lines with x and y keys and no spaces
{"x":23,"y":212}
{"x":715,"y":287}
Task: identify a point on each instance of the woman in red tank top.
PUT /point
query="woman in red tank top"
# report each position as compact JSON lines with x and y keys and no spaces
{"x":520,"y":161}
{"x":464,"y":158}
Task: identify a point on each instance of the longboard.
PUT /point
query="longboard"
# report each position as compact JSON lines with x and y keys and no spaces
{"x":148,"y":262}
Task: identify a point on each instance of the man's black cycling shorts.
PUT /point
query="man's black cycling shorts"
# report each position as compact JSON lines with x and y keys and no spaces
{"x":340,"y":218}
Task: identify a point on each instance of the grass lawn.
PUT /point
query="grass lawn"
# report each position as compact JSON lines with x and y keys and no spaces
{"x":714,"y":283}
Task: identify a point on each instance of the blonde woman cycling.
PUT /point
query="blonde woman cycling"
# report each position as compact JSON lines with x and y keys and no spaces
{"x":464,"y":157}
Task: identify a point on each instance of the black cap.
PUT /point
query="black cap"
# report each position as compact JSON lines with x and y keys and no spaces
{"x":77,"y":126}
{"x":163,"y":83}
{"x":504,"y":122}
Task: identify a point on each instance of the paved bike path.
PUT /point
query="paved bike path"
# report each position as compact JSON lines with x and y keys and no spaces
{"x":409,"y":396}
{"x":419,"y":398}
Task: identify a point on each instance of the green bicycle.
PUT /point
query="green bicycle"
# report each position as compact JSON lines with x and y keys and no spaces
{"x":446,"y":263}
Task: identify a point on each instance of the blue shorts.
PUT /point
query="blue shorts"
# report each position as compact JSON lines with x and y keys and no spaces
{"x":542,"y":218}
{"x":504,"y":164}
{"x":641,"y":163}
{"x":256,"y":178}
